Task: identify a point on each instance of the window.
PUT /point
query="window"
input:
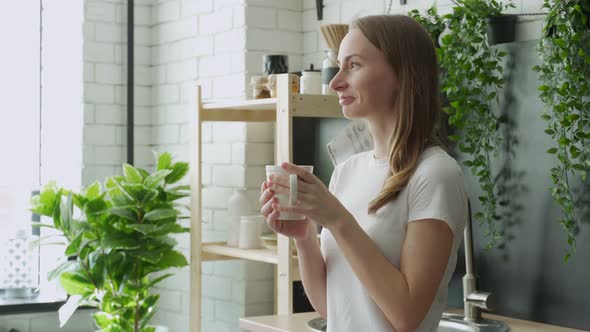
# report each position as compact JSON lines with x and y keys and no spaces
{"x":20,"y":118}
{"x":41,"y":121}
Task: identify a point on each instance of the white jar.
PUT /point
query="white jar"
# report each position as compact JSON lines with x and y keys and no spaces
{"x":310,"y":82}
{"x":238,"y":205}
{"x":250,"y":230}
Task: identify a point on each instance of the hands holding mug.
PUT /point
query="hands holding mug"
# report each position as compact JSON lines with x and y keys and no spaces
{"x":292,"y":196}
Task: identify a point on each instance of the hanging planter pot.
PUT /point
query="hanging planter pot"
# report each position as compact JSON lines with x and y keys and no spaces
{"x":501,"y":29}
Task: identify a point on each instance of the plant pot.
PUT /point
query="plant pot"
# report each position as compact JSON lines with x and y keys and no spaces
{"x":501,"y":29}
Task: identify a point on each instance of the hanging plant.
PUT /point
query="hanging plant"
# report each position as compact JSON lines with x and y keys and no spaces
{"x":432,"y":22}
{"x":565,"y":90}
{"x":472,"y":83}
{"x":435,"y":25}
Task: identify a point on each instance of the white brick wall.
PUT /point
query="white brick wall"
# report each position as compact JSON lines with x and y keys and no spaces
{"x":219,"y":44}
{"x":207,"y":43}
{"x":105,"y":90}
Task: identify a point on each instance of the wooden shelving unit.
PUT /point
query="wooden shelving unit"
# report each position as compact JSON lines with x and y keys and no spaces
{"x":280,"y":110}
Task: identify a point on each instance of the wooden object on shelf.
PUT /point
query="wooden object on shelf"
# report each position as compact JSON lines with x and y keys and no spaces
{"x":280,"y":110}
{"x":333,"y":34}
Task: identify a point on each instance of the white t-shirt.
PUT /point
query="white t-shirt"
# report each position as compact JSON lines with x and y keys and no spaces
{"x":436,"y":190}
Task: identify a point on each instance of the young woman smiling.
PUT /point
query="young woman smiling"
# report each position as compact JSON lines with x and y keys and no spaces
{"x":393,"y":217}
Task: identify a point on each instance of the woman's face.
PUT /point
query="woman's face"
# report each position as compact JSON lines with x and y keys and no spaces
{"x":366,"y":84}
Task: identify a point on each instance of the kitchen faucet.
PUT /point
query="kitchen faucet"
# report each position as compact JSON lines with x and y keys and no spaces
{"x":474,"y":300}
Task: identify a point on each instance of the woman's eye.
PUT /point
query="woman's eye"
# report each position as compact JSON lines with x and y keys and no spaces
{"x":354,"y":65}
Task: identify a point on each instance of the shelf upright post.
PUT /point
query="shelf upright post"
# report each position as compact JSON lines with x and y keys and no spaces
{"x":196,"y":220}
{"x":284,"y":153}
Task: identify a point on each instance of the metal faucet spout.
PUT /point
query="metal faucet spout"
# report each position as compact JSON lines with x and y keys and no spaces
{"x":473,"y":299}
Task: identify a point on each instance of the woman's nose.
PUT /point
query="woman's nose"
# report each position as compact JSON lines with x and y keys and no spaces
{"x":338,"y":83}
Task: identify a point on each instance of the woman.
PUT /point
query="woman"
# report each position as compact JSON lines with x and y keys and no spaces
{"x":393,"y":217}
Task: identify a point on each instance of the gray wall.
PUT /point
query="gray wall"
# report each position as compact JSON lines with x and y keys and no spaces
{"x":529,"y":275}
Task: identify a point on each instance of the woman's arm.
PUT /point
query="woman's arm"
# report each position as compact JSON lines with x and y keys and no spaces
{"x":311,"y":263}
{"x":404,"y":295}
{"x":313,"y":270}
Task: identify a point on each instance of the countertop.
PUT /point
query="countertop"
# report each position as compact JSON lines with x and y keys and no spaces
{"x":298,"y":323}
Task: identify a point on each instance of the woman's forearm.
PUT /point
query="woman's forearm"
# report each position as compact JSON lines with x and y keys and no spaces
{"x":312,"y":269}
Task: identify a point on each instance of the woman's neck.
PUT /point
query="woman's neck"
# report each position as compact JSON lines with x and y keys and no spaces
{"x":381,"y":132}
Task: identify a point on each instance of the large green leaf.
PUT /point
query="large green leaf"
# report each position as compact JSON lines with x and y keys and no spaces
{"x":97,"y":265}
{"x":164,"y":161}
{"x":157,"y":179}
{"x":93,"y":191}
{"x":147,"y":307}
{"x":158,"y":230}
{"x":136,"y":190}
{"x":75,"y":283}
{"x":132,"y":174}
{"x":102,"y":319}
{"x":95,"y":206}
{"x":118,"y":242}
{"x":164,"y":241}
{"x":72,"y":248}
{"x":117,"y":192}
{"x":148,"y":196}
{"x":160,"y":214}
{"x":144,"y":229}
{"x":79,"y":200}
{"x":63,"y":267}
{"x":170,"y":228}
{"x":155,"y":281}
{"x":151,"y":256}
{"x":44,"y":203}
{"x":66,"y":211}
{"x":179,"y":170}
{"x":173,"y":258}
{"x":175,"y":193}
{"x":125,"y":212}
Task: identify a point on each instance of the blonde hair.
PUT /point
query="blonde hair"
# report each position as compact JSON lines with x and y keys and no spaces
{"x":409,"y":49}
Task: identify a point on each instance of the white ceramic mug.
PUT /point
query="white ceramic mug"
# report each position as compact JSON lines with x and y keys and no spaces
{"x":291,"y":199}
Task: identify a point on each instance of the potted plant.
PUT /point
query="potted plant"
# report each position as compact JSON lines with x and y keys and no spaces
{"x":500,"y":28}
{"x":565,"y":75}
{"x":118,"y":238}
{"x":473,"y":81}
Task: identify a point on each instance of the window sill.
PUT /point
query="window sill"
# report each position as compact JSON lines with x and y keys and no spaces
{"x":43,"y":302}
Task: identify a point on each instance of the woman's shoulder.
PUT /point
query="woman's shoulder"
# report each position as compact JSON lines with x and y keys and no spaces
{"x":352,"y":165}
{"x":355,"y":160}
{"x":436,"y":162}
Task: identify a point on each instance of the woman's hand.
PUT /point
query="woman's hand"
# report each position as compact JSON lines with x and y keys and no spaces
{"x":314,"y":200}
{"x":297,"y":229}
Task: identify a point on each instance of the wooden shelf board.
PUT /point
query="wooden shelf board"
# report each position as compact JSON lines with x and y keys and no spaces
{"x":264,"y":110}
{"x":268,"y":104}
{"x":256,"y":110}
{"x":324,"y":106}
{"x":218,"y":249}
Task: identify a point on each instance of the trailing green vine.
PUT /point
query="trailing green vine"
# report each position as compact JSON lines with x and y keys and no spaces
{"x":431,"y":21}
{"x":472,"y":81}
{"x":565,"y":90}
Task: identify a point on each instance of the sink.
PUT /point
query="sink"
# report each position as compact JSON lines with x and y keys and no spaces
{"x":456,"y":323}
{"x":448,"y":323}
{"x":317,"y":324}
